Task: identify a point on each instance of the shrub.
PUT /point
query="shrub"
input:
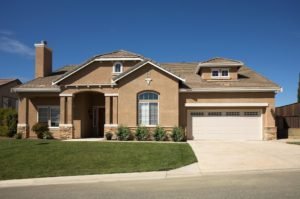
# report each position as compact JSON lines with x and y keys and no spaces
{"x":3,"y":130}
{"x":108,"y":135}
{"x":177,"y":134}
{"x":8,"y":122}
{"x":40,"y":129}
{"x":124,"y":133}
{"x":48,"y":135}
{"x":159,"y":134}
{"x":18,"y":136}
{"x":142,"y":133}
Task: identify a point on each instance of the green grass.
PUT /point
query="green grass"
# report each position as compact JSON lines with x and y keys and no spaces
{"x":38,"y":158}
{"x":298,"y":143}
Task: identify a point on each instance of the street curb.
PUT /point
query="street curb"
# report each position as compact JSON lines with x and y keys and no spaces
{"x":156,"y":175}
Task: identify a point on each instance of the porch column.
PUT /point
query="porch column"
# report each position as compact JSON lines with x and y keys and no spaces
{"x":62,"y":110}
{"x":115,"y":110}
{"x":23,"y":127}
{"x":66,"y":116}
{"x":107,"y":110}
{"x":70,"y":109}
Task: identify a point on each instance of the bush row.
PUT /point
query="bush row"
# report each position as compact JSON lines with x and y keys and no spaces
{"x":144,"y":134}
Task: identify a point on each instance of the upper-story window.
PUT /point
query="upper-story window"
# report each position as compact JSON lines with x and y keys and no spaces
{"x":220,"y":73}
{"x":118,"y":67}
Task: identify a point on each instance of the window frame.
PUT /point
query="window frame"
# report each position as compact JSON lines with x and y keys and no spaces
{"x":49,"y":121}
{"x":220,"y":73}
{"x":114,"y":68}
{"x":147,"y":101}
{"x":11,"y":102}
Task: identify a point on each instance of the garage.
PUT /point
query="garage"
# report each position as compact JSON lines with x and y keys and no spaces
{"x":231,"y":124}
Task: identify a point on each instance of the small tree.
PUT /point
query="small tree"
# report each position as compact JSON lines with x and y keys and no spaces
{"x":142,"y":133}
{"x":124,"y":133}
{"x":177,"y":134}
{"x":159,"y":134}
{"x":41,"y":130}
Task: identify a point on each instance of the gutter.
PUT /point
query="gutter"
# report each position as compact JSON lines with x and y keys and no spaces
{"x":208,"y":90}
{"x":36,"y":90}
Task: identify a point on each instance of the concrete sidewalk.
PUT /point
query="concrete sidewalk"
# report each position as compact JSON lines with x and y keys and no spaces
{"x":186,"y":171}
{"x":227,"y":156}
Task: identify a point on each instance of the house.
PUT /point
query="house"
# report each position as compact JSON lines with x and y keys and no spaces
{"x":214,"y":99}
{"x":7,"y":98}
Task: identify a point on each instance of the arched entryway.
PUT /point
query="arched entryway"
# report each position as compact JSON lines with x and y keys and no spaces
{"x":89,"y":114}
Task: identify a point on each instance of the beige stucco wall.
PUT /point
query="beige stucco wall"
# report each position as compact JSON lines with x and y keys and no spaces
{"x":96,"y":73}
{"x":206,"y":73}
{"x":165,"y":85}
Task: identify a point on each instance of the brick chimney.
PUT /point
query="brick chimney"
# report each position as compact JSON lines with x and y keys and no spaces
{"x":43,"y":60}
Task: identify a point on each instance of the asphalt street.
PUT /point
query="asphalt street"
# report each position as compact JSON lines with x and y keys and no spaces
{"x":273,"y":185}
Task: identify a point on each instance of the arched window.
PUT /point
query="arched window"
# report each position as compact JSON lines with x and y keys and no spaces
{"x":148,"y":108}
{"x":118,"y":67}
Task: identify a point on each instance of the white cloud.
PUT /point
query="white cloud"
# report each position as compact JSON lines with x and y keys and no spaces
{"x":6,"y":32}
{"x":16,"y":47}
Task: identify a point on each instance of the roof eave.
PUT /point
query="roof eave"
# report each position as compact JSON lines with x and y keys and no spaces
{"x":36,"y":90}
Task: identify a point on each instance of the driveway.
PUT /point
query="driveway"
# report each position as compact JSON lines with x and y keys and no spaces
{"x":218,"y":156}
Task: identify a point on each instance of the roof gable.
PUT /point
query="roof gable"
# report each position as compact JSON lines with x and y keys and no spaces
{"x":119,"y":55}
{"x":7,"y":81}
{"x":143,"y":63}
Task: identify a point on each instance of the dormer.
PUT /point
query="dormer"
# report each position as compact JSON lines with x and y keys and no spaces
{"x":218,"y":69}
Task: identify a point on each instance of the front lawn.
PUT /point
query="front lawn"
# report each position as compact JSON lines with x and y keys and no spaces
{"x":39,"y":158}
{"x":298,"y":143}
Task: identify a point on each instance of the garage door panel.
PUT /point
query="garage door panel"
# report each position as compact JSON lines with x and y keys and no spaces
{"x":242,"y":126}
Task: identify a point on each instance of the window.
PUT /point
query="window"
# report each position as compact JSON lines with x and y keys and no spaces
{"x":232,"y":113}
{"x":251,"y":113}
{"x":214,"y":113}
{"x":148,"y":108}
{"x":8,"y":102}
{"x":118,"y":68}
{"x":49,"y":115}
{"x":220,"y":73}
{"x":197,"y":114}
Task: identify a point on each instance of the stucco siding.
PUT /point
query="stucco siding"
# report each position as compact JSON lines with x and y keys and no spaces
{"x":165,"y":85}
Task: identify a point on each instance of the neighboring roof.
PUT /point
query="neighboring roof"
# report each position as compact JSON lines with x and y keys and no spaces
{"x":6,"y":81}
{"x":247,"y":78}
{"x":115,"y":55}
{"x":145,"y":62}
{"x":46,"y":82}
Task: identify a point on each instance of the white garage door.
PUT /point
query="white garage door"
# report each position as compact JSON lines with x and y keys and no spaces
{"x":227,"y":124}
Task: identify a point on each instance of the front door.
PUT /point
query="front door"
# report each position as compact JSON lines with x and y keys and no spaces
{"x":98,"y":121}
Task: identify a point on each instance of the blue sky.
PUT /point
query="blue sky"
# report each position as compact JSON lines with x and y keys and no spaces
{"x":263,"y":34}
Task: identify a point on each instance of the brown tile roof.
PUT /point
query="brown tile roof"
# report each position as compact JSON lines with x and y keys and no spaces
{"x":222,"y":60}
{"x":247,"y":78}
{"x":46,"y":82}
{"x":6,"y":81}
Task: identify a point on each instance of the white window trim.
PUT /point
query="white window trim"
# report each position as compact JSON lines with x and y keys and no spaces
{"x":147,"y":102}
{"x":220,"y":70}
{"x":121,"y":69}
{"x":49,"y":121}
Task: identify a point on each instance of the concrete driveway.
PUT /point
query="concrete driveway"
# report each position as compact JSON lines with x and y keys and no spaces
{"x":218,"y":156}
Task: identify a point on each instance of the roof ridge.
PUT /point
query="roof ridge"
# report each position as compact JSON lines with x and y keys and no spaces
{"x":214,"y":58}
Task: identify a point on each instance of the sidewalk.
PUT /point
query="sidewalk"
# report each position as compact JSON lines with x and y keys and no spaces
{"x":186,"y":171}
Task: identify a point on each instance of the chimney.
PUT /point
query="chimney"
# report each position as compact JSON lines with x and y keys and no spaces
{"x":43,"y":60}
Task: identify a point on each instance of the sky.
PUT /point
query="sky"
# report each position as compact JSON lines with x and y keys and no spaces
{"x":264,"y":34}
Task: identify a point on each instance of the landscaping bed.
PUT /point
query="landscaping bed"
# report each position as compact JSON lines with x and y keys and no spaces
{"x":46,"y":158}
